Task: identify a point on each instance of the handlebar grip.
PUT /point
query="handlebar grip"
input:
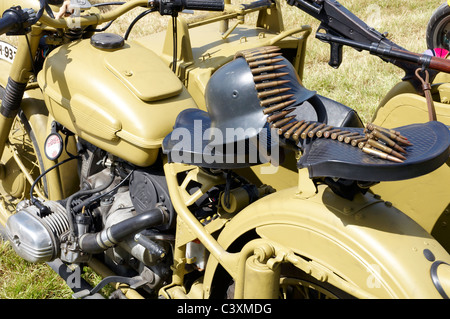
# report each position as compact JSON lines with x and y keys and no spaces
{"x":205,"y":5}
{"x":10,"y":21}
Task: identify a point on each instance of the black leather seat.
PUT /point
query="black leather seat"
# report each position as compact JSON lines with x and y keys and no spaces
{"x":329,"y":158}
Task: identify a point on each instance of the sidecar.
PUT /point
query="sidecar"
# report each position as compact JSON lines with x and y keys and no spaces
{"x":346,"y":242}
{"x":426,"y":199}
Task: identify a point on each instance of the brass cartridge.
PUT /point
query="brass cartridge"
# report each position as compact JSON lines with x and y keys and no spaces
{"x":269,"y":76}
{"x":305,"y":132}
{"x":320,"y":132}
{"x":315,"y":130}
{"x":348,"y":139}
{"x":269,"y":68}
{"x":292,"y":129}
{"x":278,"y":107}
{"x":267,"y":85}
{"x":265,"y":94}
{"x":275,"y":99}
{"x":355,"y":142}
{"x":372,"y":127}
{"x":343,"y":136}
{"x":299,"y":131}
{"x":385,"y":149}
{"x":278,"y":116}
{"x":280,"y":123}
{"x":283,"y":129}
{"x":336,"y":134}
{"x":260,"y":62}
{"x":388,"y":141}
{"x":262,"y":56}
{"x":327,"y":134}
{"x":381,"y":154}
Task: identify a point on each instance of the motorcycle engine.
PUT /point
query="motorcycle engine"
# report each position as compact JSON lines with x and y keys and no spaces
{"x":125,"y":193}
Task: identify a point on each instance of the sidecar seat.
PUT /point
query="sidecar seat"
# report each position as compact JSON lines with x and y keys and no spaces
{"x":329,"y":158}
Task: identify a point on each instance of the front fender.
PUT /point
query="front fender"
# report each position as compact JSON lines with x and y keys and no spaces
{"x":367,"y":242}
{"x":63,"y":181}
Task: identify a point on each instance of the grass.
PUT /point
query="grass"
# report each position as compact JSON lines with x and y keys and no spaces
{"x":20,"y":279}
{"x":360,"y":82}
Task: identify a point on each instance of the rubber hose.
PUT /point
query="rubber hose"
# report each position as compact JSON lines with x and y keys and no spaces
{"x":95,"y":243}
{"x":12,"y":99}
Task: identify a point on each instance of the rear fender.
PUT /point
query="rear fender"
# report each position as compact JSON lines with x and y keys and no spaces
{"x":367,"y":242}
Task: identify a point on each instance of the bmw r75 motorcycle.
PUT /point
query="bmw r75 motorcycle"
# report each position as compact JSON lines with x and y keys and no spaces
{"x":192,"y":163}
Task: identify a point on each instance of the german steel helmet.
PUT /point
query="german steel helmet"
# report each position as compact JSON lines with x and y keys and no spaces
{"x":259,"y":87}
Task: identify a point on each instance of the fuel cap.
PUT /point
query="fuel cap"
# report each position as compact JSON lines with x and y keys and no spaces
{"x":107,"y":41}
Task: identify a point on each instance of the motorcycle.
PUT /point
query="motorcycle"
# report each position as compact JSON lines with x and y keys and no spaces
{"x":193,"y":163}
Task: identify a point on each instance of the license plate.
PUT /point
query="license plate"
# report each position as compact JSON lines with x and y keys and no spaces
{"x":7,"y":51}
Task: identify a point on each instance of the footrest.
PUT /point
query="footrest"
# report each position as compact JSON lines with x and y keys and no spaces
{"x":330,"y":158}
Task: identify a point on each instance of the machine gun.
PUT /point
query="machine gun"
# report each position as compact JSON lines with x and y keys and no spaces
{"x":341,"y":27}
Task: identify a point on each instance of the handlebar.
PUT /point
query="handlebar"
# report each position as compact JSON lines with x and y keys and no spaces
{"x":10,"y":21}
{"x":99,"y":18}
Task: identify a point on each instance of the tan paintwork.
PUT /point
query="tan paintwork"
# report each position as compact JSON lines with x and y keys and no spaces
{"x":126,"y":108}
{"x":426,"y":199}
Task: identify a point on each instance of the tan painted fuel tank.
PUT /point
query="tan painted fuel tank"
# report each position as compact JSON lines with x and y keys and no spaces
{"x":124,"y":101}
